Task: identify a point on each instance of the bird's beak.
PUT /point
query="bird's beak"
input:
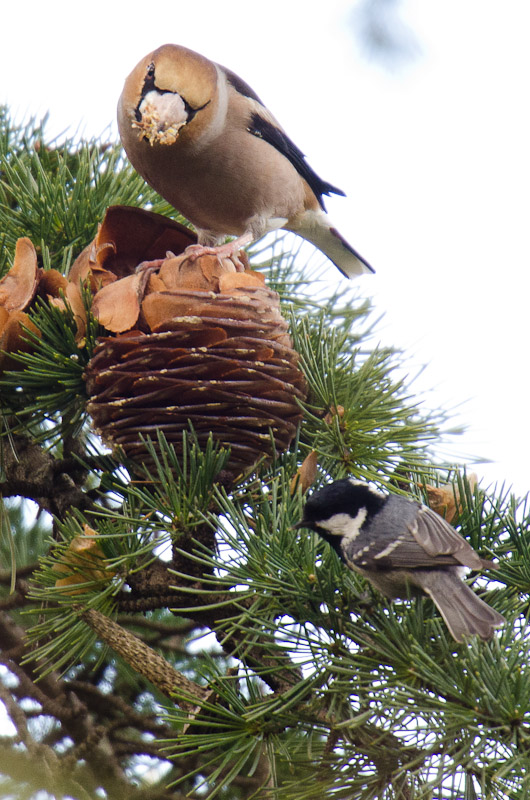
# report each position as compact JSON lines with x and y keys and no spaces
{"x":301,"y":524}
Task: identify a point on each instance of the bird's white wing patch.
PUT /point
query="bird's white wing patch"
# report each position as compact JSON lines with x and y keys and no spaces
{"x":391,"y":547}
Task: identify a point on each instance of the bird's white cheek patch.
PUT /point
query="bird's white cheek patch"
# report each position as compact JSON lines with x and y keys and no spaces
{"x":163,"y":115}
{"x":344,"y":525}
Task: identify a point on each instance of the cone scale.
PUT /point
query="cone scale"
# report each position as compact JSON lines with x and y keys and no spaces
{"x":194,"y":340}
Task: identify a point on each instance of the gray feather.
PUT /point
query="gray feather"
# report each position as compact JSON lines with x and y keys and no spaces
{"x":464,"y":613}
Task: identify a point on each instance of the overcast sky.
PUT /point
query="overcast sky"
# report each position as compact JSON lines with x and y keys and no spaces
{"x":431,"y":151}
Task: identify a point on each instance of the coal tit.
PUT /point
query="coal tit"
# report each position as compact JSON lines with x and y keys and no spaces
{"x":403,"y":548}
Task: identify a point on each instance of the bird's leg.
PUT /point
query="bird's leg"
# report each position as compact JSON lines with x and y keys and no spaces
{"x":155,"y":264}
{"x":228,"y":250}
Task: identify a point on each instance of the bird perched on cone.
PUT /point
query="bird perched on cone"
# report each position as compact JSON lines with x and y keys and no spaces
{"x":202,"y":138}
{"x":402,"y":547}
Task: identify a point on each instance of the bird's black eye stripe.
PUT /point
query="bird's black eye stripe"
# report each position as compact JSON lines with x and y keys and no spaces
{"x":149,"y":81}
{"x":150,"y":85}
{"x":190,"y":111}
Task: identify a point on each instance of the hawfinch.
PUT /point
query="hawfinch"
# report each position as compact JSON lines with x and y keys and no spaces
{"x":202,"y":138}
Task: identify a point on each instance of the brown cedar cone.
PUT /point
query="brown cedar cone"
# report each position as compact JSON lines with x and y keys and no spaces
{"x":19,"y":288}
{"x":198,"y":340}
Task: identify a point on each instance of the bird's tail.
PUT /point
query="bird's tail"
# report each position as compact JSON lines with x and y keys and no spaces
{"x":315,"y":226}
{"x":464,"y":613}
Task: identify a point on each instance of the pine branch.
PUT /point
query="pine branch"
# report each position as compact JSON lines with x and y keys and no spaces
{"x":210,"y":608}
{"x":145,"y":660}
{"x":21,"y":572}
{"x":64,"y":706}
{"x":118,"y":710}
{"x":323,"y":689}
{"x":32,"y":472}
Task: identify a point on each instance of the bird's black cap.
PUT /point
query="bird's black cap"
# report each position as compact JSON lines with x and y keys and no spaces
{"x":345,"y":496}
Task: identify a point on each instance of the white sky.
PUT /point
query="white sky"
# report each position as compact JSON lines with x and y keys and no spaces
{"x":433,"y":157}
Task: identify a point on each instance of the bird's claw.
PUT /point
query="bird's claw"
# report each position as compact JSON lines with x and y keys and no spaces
{"x":228,"y":250}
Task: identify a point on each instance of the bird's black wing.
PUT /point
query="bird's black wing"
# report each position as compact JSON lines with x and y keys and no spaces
{"x":264,"y":129}
{"x":240,"y":85}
